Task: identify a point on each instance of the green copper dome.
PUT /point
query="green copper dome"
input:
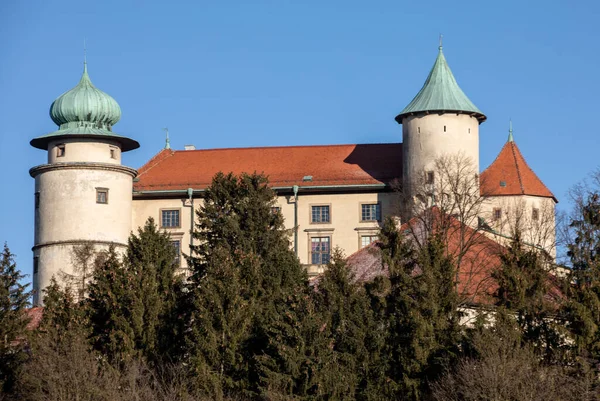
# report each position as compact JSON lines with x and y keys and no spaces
{"x":441,"y":94}
{"x":85,"y":111}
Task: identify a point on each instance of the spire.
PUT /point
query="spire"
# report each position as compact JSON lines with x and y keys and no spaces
{"x":167,"y":141}
{"x":441,"y":93}
{"x":510,"y":131}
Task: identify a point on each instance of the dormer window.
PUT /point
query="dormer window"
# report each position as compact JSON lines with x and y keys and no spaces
{"x":60,"y":150}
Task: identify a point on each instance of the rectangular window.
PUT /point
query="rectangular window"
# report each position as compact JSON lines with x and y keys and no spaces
{"x":113,"y":152}
{"x":102,"y":195}
{"x":497,"y":214}
{"x":430,"y":177}
{"x":37,"y":200}
{"x":320,"y":250}
{"x":275,"y":209}
{"x":367,"y":240}
{"x":535,"y":214}
{"x":177,"y":245}
{"x":60,"y":150}
{"x":36,"y":263}
{"x":370,"y":212}
{"x":169,"y":218}
{"x":320,"y":214}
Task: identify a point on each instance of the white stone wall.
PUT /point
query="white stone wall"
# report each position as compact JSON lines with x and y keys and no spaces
{"x":85,"y":150}
{"x":427,"y":137}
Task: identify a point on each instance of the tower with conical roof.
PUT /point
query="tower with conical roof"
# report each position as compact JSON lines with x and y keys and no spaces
{"x":517,"y":198}
{"x":83,"y":193}
{"x":440,"y":120}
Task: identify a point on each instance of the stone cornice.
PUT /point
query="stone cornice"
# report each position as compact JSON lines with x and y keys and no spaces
{"x":34,"y":171}
{"x":77,"y":242}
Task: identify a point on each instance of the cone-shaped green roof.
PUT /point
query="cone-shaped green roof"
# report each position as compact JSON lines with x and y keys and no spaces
{"x":85,"y":111}
{"x":441,"y":93}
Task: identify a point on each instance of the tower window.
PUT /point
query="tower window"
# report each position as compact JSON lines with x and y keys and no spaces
{"x":430,"y":177}
{"x":169,"y":218}
{"x":535,"y":214}
{"x":113,"y":152}
{"x":469,"y":130}
{"x":36,"y":264}
{"x":102,"y":195}
{"x":419,"y":130}
{"x":497,"y":214}
{"x":37,"y":200}
{"x":60,"y":150}
{"x":444,"y":128}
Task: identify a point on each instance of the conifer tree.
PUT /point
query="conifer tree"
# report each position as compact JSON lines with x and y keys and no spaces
{"x":420,"y":315}
{"x":524,"y":286}
{"x":242,"y":268}
{"x":14,"y":301}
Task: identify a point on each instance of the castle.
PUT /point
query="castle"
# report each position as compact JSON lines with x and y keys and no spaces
{"x":330,"y":196}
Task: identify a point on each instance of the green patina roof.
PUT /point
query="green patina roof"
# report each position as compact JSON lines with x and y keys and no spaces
{"x":85,"y":112}
{"x":441,"y":93}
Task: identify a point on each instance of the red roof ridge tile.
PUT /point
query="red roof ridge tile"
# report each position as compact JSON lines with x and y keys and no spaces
{"x":287,"y":147}
{"x":155,"y":160}
{"x":513,"y":145}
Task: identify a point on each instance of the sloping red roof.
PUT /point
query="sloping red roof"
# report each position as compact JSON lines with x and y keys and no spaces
{"x":35,"y":314}
{"x":478,"y":258}
{"x":509,"y":174}
{"x":328,"y":165}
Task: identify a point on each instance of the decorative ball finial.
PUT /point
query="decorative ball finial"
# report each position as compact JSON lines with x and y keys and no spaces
{"x":441,"y":37}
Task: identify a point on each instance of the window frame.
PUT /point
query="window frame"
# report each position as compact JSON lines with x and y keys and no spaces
{"x":310,"y":248}
{"x":177,"y":260}
{"x":100,"y":190}
{"x":167,"y":209}
{"x":497,"y":214}
{"x":429,"y":177}
{"x":310,"y":213}
{"x":378,"y":216}
{"x":113,"y":152}
{"x":36,"y":264}
{"x":535,"y":214}
{"x":371,"y":235}
{"x":36,"y":199}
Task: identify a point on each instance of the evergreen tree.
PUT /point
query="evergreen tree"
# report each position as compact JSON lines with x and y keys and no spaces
{"x":421,"y":315}
{"x":524,"y":286}
{"x":14,"y":301}
{"x":112,"y":309}
{"x":583,"y":285}
{"x":242,"y":269}
{"x":132,"y":304}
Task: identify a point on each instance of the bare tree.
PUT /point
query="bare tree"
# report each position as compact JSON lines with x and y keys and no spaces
{"x":83,"y":260}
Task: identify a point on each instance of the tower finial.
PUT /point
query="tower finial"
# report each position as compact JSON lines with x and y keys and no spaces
{"x":84,"y":52}
{"x":441,"y":37}
{"x":510,"y":131}
{"x":167,"y":141}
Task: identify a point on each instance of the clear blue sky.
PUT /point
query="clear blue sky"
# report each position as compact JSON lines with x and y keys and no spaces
{"x":262,"y":73}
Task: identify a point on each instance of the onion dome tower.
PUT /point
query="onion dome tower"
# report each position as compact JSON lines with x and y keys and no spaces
{"x":439,"y":120}
{"x":83,"y":193}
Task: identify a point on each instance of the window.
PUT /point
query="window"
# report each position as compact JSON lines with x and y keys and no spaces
{"x":170,"y":218}
{"x":60,"y":150}
{"x":113,"y":152}
{"x":36,"y":264}
{"x":102,"y":195}
{"x":497,"y":214}
{"x":366,"y":240}
{"x":370,"y":212}
{"x":320,"y":250}
{"x":430,"y":177}
{"x":275,"y":209}
{"x":444,"y":128}
{"x":535,"y":214}
{"x":469,"y":130}
{"x":177,"y":245}
{"x":419,"y":129}
{"x":320,"y":214}
{"x":37,"y":200}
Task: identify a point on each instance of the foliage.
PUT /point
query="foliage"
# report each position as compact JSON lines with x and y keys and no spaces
{"x":14,"y":300}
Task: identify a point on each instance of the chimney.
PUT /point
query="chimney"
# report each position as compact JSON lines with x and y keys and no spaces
{"x":189,"y":147}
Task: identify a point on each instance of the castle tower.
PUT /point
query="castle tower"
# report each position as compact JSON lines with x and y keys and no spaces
{"x":83,"y":193}
{"x":517,"y":198}
{"x":439,"y":120}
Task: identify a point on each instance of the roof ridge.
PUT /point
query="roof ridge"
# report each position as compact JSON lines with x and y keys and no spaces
{"x":289,"y":146}
{"x":157,"y":159}
{"x":532,"y":171}
{"x":513,"y":145}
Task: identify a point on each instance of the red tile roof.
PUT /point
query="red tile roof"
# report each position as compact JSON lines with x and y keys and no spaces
{"x":329,"y":165}
{"x":509,"y":174}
